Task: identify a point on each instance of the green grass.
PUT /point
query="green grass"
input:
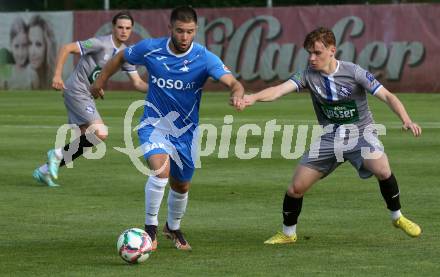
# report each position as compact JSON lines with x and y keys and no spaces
{"x":234,"y":204}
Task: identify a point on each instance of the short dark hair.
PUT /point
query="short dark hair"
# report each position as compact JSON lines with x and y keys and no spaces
{"x":184,"y":14}
{"x":322,"y":34}
{"x":123,"y":15}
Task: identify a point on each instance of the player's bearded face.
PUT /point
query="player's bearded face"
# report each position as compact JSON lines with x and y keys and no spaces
{"x":182,"y":35}
{"x":320,"y":56}
{"x":122,"y":29}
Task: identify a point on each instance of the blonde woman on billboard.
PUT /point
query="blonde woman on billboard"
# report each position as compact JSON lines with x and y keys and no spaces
{"x":42,"y":46}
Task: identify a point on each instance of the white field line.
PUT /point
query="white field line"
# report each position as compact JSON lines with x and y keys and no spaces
{"x":219,"y":122}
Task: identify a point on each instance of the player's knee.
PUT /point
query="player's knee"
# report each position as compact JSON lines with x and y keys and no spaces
{"x":295,"y":190}
{"x":181,"y":187}
{"x":163,"y":174}
{"x":102,"y":132}
{"x":383,"y":174}
{"x":99,"y":130}
{"x":101,"y":135}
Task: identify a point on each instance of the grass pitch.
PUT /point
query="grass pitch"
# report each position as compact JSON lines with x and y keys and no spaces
{"x":344,"y":229}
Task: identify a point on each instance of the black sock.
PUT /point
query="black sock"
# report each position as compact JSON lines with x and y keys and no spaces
{"x":390,"y":193}
{"x":81,"y":142}
{"x":291,"y":210}
{"x":151,"y":231}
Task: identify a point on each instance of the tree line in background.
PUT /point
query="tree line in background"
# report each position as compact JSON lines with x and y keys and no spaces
{"x":56,"y":5}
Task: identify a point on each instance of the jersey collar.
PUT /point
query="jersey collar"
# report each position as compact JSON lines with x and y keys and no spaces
{"x":334,"y":72}
{"x":113,"y":43}
{"x":178,"y":55}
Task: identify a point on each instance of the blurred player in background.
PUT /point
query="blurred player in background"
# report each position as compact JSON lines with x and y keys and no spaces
{"x":178,"y":68}
{"x":338,"y":91}
{"x":81,"y":108}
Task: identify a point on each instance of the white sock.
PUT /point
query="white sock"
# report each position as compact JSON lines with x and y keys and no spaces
{"x":154,"y":190}
{"x":289,"y":230}
{"x":176,"y":208}
{"x":58,"y":153}
{"x":395,"y":215}
{"x":43,"y":169}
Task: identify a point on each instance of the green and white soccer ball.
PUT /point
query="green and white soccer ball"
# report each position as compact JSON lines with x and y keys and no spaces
{"x":134,"y":245}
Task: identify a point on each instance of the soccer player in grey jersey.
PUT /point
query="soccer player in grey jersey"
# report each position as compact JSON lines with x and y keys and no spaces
{"x":81,"y":108}
{"x":339,"y":91}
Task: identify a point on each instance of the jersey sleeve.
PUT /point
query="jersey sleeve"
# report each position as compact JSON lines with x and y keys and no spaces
{"x":89,"y":46}
{"x":216,"y":68}
{"x":127,"y":67}
{"x":367,"y":80}
{"x":134,"y":54}
{"x":299,"y":78}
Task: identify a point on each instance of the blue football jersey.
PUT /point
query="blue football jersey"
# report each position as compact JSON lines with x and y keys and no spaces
{"x":175,"y":81}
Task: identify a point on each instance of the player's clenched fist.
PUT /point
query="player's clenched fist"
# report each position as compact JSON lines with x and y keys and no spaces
{"x":97,"y":91}
{"x":57,"y":83}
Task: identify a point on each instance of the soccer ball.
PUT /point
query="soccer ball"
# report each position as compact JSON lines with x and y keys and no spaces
{"x":134,"y":245}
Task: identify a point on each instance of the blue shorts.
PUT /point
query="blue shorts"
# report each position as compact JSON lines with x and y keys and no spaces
{"x":154,"y":141}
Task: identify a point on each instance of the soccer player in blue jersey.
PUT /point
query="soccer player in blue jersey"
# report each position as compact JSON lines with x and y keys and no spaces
{"x":339,"y":96}
{"x":178,"y":68}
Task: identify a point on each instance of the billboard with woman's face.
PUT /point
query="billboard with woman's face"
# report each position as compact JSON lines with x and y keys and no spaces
{"x":396,"y":43}
{"x":28,"y":48}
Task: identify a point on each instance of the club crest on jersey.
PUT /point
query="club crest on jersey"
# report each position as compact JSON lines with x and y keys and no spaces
{"x":369,"y":76}
{"x":90,"y":109}
{"x":184,"y":68}
{"x":344,"y":91}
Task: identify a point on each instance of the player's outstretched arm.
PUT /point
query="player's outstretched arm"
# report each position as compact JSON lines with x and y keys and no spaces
{"x":397,"y":107}
{"x":137,"y":82}
{"x":109,"y":69}
{"x":270,"y":93}
{"x":65,"y":50}
{"x":237,"y":90}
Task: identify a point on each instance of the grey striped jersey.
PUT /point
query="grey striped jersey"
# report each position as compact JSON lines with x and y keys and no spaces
{"x":95,"y":53}
{"x":340,"y":98}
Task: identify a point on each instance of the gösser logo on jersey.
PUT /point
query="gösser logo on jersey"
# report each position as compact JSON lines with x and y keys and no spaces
{"x":170,"y":83}
{"x":94,"y":75}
